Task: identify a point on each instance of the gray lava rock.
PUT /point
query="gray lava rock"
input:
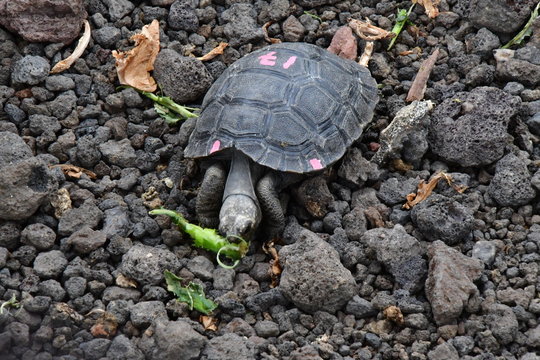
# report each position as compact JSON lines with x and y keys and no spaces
{"x":499,"y":16}
{"x":88,"y":214}
{"x":95,"y":349}
{"x":146,"y":264}
{"x":12,"y":148}
{"x":394,"y":190}
{"x":406,"y":136}
{"x":50,"y":264}
{"x":443,"y":351}
{"x":86,"y":240}
{"x":511,"y":185}
{"x":473,"y":130}
{"x":39,"y":236}
{"x":24,"y":186}
{"x":314,"y":3}
{"x":59,"y":83}
{"x":450,"y":281}
{"x":30,"y":70}
{"x":442,"y":218}
{"x":356,"y":170}
{"x":483,"y":43}
{"x":107,"y":36}
{"x":182,"y":16}
{"x":511,"y":68}
{"x":116,"y":222}
{"x":40,"y":124}
{"x":503,"y":323}
{"x":241,"y":25}
{"x":119,"y":153}
{"x":360,"y":308}
{"x":293,"y":30}
{"x":193,"y":83}
{"x":119,"y":8}
{"x":400,"y":253}
{"x":201,"y":267}
{"x":146,"y":313}
{"x":315,"y":196}
{"x":43,"y":20}
{"x":485,"y":251}
{"x":533,"y":337}
{"x":230,"y":347}
{"x":123,"y":349}
{"x":313,"y":277}
{"x":177,"y":340}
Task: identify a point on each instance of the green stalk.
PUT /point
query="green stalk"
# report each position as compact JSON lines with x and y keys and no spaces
{"x":401,"y":20}
{"x":526,"y":31}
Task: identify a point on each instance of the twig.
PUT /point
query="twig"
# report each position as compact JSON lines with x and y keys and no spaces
{"x":366,"y":55}
{"x":79,"y":50}
{"x":418,"y":87}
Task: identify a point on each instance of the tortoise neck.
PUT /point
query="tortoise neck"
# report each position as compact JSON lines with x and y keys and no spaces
{"x":240,"y":179}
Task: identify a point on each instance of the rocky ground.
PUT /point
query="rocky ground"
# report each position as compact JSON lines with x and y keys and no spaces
{"x":463,"y":268}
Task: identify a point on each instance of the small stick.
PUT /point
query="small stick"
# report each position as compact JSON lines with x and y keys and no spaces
{"x":418,"y":87}
{"x":79,"y":50}
{"x":366,"y":55}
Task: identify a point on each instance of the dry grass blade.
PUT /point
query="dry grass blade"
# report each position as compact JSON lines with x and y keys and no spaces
{"x":275,"y":268}
{"x":218,"y":50}
{"x":208,"y":322}
{"x":430,"y":6}
{"x":134,"y":66}
{"x":418,"y":87}
{"x":367,"y":31}
{"x":266,"y":36}
{"x":79,"y":50}
{"x":75,"y":171}
{"x":425,"y":189}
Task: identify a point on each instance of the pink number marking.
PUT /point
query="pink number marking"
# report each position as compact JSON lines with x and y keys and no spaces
{"x":315,"y":164}
{"x":289,"y":62}
{"x":215,"y":146}
{"x":268,"y":59}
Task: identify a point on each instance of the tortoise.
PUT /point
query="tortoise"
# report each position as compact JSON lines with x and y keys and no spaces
{"x":279,"y":112}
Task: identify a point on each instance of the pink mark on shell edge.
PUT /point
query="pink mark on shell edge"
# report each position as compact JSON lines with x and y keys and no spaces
{"x":289,"y":62}
{"x":268,"y":59}
{"x":315,"y":164}
{"x":215,"y":146}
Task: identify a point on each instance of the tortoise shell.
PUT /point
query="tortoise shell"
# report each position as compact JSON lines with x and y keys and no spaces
{"x":291,"y":107}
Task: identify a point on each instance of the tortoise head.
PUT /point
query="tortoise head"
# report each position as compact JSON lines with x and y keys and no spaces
{"x":240,"y":216}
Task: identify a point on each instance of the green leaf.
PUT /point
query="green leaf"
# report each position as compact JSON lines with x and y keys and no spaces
{"x":526,"y":31}
{"x":170,"y":117}
{"x":402,"y":18}
{"x":313,"y":16}
{"x":193,"y":294}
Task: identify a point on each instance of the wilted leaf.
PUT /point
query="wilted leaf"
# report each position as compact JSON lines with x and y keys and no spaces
{"x":275,"y":268}
{"x":74,"y":171}
{"x":425,"y":189}
{"x":208,"y":322}
{"x":218,"y":50}
{"x":193,"y":294}
{"x":79,"y":50}
{"x":265,"y":32}
{"x":344,"y":43}
{"x":430,"y":6}
{"x":105,"y":326}
{"x":394,"y":314}
{"x":133,"y":66}
{"x":368,"y":31}
{"x":125,"y":282}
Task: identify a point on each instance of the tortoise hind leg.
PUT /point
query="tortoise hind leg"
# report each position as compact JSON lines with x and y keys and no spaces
{"x":273,"y":215}
{"x":210,"y":196}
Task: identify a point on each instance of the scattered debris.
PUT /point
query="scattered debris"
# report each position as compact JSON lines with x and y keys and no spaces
{"x":275,"y":267}
{"x":394,"y":314}
{"x":425,"y":189}
{"x":11,"y":303}
{"x":218,"y":50}
{"x":74,"y":171}
{"x":151,"y":198}
{"x":208,"y":239}
{"x":169,"y":110}
{"x":105,"y":325}
{"x":125,"y":282}
{"x":208,"y":322}
{"x":402,"y":18}
{"x":267,"y":38}
{"x":525,"y":32}
{"x":61,"y":202}
{"x":374,"y":217}
{"x":64,"y":308}
{"x":419,"y":85}
{"x":134,"y":66}
{"x":79,"y":50}
{"x":366,"y":55}
{"x":367,"y":31}
{"x":430,"y":6}
{"x":192,"y":294}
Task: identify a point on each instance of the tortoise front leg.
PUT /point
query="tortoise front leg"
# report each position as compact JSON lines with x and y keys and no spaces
{"x":274,"y":217}
{"x":210,"y":196}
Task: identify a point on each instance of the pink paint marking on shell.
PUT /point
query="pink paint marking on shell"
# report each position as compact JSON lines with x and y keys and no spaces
{"x":215,"y":146}
{"x":289,"y":62}
{"x":268,"y":59}
{"x":315,"y":164}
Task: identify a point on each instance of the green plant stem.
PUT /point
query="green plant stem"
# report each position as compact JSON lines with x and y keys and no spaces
{"x":401,"y":20}
{"x":526,"y":31}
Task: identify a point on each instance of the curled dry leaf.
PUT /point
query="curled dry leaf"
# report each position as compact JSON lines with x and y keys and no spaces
{"x":344,"y":43}
{"x":105,"y":326}
{"x":125,"y":282}
{"x":218,"y":50}
{"x":208,"y":322}
{"x":394,"y":314}
{"x":79,"y":49}
{"x":265,"y":32}
{"x":425,"y":189}
{"x":134,"y":66}
{"x":75,"y":171}
{"x":368,"y":31}
{"x":430,"y":6}
{"x":275,"y":268}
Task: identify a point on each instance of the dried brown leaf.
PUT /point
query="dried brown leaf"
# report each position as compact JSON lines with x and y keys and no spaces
{"x":134,"y":66}
{"x":344,"y":43}
{"x":275,"y":267}
{"x":125,"y":282}
{"x":368,"y":31}
{"x":374,"y":217}
{"x":218,"y":50}
{"x":105,"y":326}
{"x":425,"y":189}
{"x":79,"y":50}
{"x":265,"y":32}
{"x":208,"y":322}
{"x":430,"y":6}
{"x":74,"y":171}
{"x":419,"y":85}
{"x":394,"y":314}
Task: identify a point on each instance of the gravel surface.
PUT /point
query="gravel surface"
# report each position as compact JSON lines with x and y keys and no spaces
{"x":85,"y":260}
